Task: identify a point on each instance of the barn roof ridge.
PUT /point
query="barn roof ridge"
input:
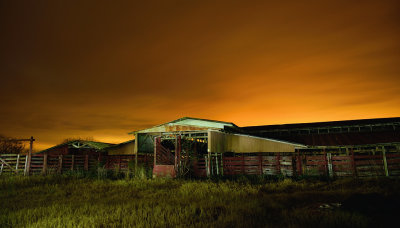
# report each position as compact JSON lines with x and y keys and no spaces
{"x":185,"y":118}
{"x":95,"y":144}
{"x":336,"y":123}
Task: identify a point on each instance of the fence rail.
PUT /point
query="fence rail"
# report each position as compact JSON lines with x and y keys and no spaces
{"x":46,"y":164}
{"x":313,"y":165}
{"x":353,"y":165}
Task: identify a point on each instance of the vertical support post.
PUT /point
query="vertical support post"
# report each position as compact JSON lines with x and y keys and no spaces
{"x":136,"y":151}
{"x":26,"y":165}
{"x":260,"y":164}
{"x":330,"y":167}
{"x":216,"y":162}
{"x":326,"y":163}
{"x":155,"y":150}
{"x":17,"y":164}
{"x":209,"y":163}
{"x":385,"y":161}
{"x":72,"y":162}
{"x":222,"y":164}
{"x":44,"y":163}
{"x":1,"y":169}
{"x":353,"y":163}
{"x":60,"y":163}
{"x":294,"y":165}
{"x":278,"y":163}
{"x":176,"y":154}
{"x":86,"y":165}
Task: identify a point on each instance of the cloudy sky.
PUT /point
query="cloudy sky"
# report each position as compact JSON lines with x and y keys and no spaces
{"x":103,"y":68}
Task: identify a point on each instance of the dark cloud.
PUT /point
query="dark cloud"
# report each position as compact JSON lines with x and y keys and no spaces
{"x":102,"y":69}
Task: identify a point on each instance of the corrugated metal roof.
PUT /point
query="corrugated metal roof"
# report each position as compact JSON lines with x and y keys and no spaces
{"x":190,"y":121}
{"x":341,"y":139}
{"x":309,"y":133}
{"x":92,"y":144}
{"x":343,"y":123}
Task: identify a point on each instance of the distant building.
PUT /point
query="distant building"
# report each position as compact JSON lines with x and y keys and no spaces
{"x":78,"y":147}
{"x":349,"y":133}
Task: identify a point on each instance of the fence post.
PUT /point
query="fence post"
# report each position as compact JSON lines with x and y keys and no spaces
{"x":44,"y":164}
{"x":26,"y":165}
{"x":216,"y":163}
{"x":60,"y":163}
{"x":299,"y":161}
{"x":207,"y":165}
{"x":16,"y":166}
{"x":330,"y":168}
{"x":294,"y":167}
{"x":72,"y":162}
{"x":278,"y":163}
{"x":326,"y":163}
{"x":1,"y":170}
{"x":222,"y":163}
{"x":385,"y":161}
{"x":29,"y":157}
{"x":353,"y":163}
{"x":243,"y":170}
{"x":260,"y":163}
{"x":86,"y":166}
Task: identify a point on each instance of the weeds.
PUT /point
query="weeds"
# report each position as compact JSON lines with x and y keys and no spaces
{"x":114,"y":201}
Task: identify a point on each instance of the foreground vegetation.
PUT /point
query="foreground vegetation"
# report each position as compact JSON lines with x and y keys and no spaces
{"x":71,"y":201}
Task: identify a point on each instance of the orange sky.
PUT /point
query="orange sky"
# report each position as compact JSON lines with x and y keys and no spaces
{"x":101,"y":69}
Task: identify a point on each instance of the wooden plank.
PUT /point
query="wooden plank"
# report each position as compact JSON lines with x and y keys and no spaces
{"x":8,"y":165}
{"x":356,"y":157}
{"x":60,"y":163}
{"x":44,"y":164}
{"x":384,"y":161}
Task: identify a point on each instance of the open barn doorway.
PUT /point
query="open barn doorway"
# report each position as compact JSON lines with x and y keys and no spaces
{"x":181,"y":154}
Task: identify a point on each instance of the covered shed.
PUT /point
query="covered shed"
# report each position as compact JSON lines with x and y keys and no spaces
{"x":78,"y":147}
{"x":124,"y":148}
{"x":187,"y":145}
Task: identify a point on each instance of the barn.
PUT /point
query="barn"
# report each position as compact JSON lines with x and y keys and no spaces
{"x":78,"y":147}
{"x":202,"y":147}
{"x":199,"y":147}
{"x":193,"y":147}
{"x":365,"y":147}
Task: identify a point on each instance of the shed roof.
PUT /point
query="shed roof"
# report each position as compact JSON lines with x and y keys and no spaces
{"x":342,"y":123}
{"x":203,"y":124}
{"x":84,"y":144}
{"x":121,"y":144}
{"x":376,"y":131}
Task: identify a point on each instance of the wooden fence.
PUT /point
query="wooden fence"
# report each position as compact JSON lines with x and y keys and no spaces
{"x":360,"y":165}
{"x":46,"y":164}
{"x":13,"y":163}
{"x":125,"y":162}
{"x":287,"y":164}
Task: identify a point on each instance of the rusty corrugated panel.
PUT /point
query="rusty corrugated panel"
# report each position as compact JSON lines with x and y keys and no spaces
{"x":164,"y":171}
{"x":173,"y":128}
{"x":338,"y":139}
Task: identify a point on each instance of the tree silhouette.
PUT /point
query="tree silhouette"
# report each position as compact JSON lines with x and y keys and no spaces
{"x":10,"y":145}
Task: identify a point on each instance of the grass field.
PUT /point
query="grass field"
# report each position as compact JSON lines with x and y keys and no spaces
{"x":70,"y":201}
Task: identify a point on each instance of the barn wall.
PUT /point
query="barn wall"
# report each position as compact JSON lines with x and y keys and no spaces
{"x":173,"y":128}
{"x":125,"y":149}
{"x":144,"y":143}
{"x":219,"y":142}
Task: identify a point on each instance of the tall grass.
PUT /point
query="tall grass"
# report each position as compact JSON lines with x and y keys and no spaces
{"x":77,"y":201}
